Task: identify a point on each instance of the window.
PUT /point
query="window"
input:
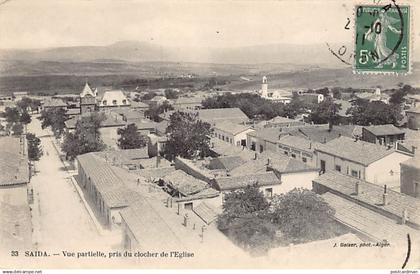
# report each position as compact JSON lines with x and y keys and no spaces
{"x":322,"y":166}
{"x":104,"y":102}
{"x":304,"y":159}
{"x":293,"y":155}
{"x":286,"y":153}
{"x":223,"y":138}
{"x":124,"y":102}
{"x":269,"y":192}
{"x":338,"y":168}
{"x":188,"y":206}
{"x":261,"y":148}
{"x":354,"y":173}
{"x":114,"y":102}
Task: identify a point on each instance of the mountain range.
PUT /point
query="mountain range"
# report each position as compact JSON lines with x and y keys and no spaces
{"x":134,"y":51}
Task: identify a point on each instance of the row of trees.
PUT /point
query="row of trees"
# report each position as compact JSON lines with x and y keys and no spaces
{"x":16,"y":119}
{"x":257,"y":224}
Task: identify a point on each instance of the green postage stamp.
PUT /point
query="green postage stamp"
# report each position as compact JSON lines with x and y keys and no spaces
{"x":382,"y":39}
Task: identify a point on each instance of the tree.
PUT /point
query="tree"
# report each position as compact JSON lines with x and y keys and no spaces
{"x":148,"y":95}
{"x":171,"y":94}
{"x":34,"y":147}
{"x":130,"y":138}
{"x":245,"y":220}
{"x":187,"y":136}
{"x":324,"y":91}
{"x":54,"y":118}
{"x":326,"y":112}
{"x":303,"y":215}
{"x":397,"y":98}
{"x":365,"y":113}
{"x":25,"y":118}
{"x":12,"y":115}
{"x":295,"y":107}
{"x":86,"y":138}
{"x":24,"y":103}
{"x":17,"y":129}
{"x":336,"y":92}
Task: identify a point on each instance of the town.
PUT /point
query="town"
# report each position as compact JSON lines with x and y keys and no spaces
{"x":166,"y":169}
{"x":209,"y":135}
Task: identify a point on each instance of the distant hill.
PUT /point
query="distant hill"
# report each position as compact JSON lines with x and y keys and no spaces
{"x":148,"y":52}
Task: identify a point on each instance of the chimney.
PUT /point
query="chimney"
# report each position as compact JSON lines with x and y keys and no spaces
{"x":325,"y":140}
{"x":404,"y":216}
{"x":310,"y":145}
{"x":186,"y":219}
{"x":138,"y":181}
{"x":385,"y":197}
{"x":157,"y":161}
{"x":255,"y":156}
{"x":212,"y":145}
{"x":268,"y":162}
{"x":356,"y":188}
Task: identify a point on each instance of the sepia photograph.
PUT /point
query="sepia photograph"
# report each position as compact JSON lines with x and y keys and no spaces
{"x":209,"y":134}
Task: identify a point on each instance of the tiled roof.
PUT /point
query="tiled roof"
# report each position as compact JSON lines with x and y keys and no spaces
{"x":73,"y":111}
{"x":227,"y":162}
{"x":184,"y":183}
{"x":114,"y":95}
{"x":106,"y":180}
{"x":298,"y":143}
{"x":374,"y":225}
{"x":54,"y":103}
{"x":371,"y":195}
{"x":250,"y":167}
{"x":188,"y":100}
{"x":322,"y":134}
{"x":216,"y":115}
{"x":154,"y":173}
{"x":237,"y":182}
{"x":135,"y":104}
{"x":149,"y":228}
{"x":413,"y":162}
{"x":268,"y":134}
{"x":357,"y":151}
{"x":381,"y":130}
{"x":14,"y":167}
{"x":230,"y":127}
{"x":205,"y":212}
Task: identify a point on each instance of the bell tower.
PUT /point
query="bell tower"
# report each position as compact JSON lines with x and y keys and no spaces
{"x":87,"y":99}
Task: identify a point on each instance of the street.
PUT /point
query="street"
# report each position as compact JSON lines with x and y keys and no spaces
{"x":60,"y":219}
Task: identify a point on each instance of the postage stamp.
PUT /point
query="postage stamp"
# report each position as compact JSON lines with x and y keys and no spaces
{"x":382,"y":39}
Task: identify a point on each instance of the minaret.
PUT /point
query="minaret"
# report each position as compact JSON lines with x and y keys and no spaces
{"x":264,"y":87}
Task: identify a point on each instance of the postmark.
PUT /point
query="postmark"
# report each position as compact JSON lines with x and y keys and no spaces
{"x":382,"y":39}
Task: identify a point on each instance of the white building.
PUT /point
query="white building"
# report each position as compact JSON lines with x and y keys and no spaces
{"x":281,"y":96}
{"x":234,"y":134}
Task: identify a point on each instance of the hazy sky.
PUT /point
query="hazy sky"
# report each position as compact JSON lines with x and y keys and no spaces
{"x":49,"y":23}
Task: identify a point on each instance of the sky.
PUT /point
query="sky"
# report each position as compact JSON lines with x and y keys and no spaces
{"x":217,"y":23}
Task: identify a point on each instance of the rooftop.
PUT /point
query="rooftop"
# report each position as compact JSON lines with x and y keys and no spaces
{"x":112,"y":96}
{"x":226,"y":162}
{"x":374,"y":225}
{"x":236,"y":182}
{"x":298,"y":142}
{"x":13,"y":164}
{"x":235,"y":115}
{"x":232,"y":128}
{"x":381,"y":130}
{"x":184,"y":183}
{"x":371,"y":195}
{"x":53,"y":102}
{"x":357,"y":151}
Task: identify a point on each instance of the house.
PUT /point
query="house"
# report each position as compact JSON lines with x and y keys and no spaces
{"x":234,"y":134}
{"x":16,"y":195}
{"x":376,"y":95}
{"x":362,"y":160}
{"x":18,"y":95}
{"x":399,"y":209}
{"x":188,"y":191}
{"x":226,"y":162}
{"x":157,"y":100}
{"x":52,"y":103}
{"x":410,"y":176}
{"x":413,"y":118}
{"x":114,"y":99}
{"x":138,"y":105}
{"x":266,"y":182}
{"x":298,"y":148}
{"x":213,"y":116}
{"x":384,"y":135}
{"x":312,"y":98}
{"x":191,"y":103}
{"x":279,"y":122}
{"x":104,"y":188}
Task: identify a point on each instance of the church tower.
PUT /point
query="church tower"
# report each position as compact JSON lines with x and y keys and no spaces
{"x":264,"y":87}
{"x":87,"y":99}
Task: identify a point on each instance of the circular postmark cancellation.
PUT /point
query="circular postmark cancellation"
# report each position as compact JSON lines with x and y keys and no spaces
{"x":381,"y":38}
